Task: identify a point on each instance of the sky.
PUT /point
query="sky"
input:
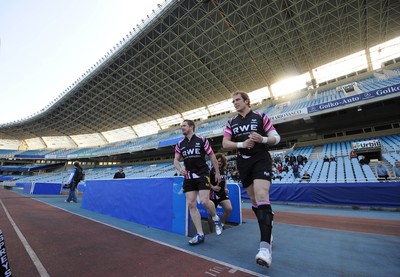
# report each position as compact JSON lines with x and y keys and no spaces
{"x":46,"y":45}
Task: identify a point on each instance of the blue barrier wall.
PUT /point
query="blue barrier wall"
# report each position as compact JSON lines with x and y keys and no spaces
{"x":47,"y":188}
{"x":20,"y":185}
{"x":154,"y":202}
{"x":27,"y":188}
{"x":381,"y":194}
{"x":41,"y":188}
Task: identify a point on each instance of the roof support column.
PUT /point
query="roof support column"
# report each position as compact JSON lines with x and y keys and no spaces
{"x":369,"y":61}
{"x":134,"y":131}
{"x":103,"y":138}
{"x":72,"y":141}
{"x":41,"y":139}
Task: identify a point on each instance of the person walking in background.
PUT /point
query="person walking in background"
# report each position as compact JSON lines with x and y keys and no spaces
{"x":219,"y":191}
{"x":381,"y":171}
{"x":120,"y":174}
{"x":250,"y":133}
{"x":74,"y":178}
{"x":193,"y":149}
{"x":396,"y":170}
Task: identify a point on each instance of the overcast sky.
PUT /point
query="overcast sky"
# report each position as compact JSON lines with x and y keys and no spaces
{"x":48,"y":44}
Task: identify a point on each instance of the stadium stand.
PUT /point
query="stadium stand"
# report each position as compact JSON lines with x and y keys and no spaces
{"x":341,"y":170}
{"x":212,"y":128}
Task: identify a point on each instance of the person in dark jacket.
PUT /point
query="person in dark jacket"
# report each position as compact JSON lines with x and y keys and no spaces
{"x":120,"y":174}
{"x":300,"y":160}
{"x":74,"y":178}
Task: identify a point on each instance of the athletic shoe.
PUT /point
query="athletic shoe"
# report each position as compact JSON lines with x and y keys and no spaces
{"x":264,"y":257}
{"x":218,"y":227}
{"x":66,"y":201}
{"x":197,"y":239}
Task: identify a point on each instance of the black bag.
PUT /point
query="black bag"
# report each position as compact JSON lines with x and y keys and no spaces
{"x":80,"y":175}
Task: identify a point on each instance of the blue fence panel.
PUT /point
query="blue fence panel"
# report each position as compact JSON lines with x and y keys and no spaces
{"x":154,"y":202}
{"x":382,"y":194}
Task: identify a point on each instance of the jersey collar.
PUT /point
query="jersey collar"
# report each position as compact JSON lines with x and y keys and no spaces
{"x":244,"y":116}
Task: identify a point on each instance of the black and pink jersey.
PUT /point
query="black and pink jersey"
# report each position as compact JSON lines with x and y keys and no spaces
{"x":193,"y":152}
{"x":238,"y":128}
{"x":218,"y":194}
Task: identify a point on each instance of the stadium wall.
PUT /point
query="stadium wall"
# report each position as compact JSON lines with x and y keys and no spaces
{"x":381,"y":194}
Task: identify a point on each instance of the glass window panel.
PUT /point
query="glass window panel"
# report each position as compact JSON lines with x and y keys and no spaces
{"x":340,"y":67}
{"x":384,"y":52}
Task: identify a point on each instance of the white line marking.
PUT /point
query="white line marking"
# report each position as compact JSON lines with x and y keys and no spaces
{"x":162,"y":243}
{"x":35,"y":259}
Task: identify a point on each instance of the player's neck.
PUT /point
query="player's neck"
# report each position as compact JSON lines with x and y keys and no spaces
{"x":245,"y":111}
{"x":189,"y":136}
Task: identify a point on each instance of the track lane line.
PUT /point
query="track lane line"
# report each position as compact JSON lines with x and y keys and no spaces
{"x":233,"y":269}
{"x":35,"y":259}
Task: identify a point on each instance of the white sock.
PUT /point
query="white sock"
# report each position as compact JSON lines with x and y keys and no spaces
{"x":264,"y":244}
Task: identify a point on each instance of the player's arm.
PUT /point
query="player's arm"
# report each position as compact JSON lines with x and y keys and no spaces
{"x":272,"y":138}
{"x":178,"y":166}
{"x":71,"y":176}
{"x":228,"y":144}
{"x":214,"y":162}
{"x":215,"y":188}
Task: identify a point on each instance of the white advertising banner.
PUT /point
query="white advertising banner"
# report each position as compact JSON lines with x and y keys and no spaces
{"x":288,"y":115}
{"x":367,"y":144}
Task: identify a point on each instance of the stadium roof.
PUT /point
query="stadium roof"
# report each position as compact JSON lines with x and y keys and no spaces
{"x":195,"y":53}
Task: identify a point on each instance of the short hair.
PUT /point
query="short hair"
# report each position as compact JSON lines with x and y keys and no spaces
{"x":190,"y":123}
{"x":244,"y":95}
{"x":77,"y":164}
{"x":222,"y":157}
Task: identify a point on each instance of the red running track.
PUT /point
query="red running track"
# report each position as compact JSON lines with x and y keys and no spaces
{"x":69,"y":245}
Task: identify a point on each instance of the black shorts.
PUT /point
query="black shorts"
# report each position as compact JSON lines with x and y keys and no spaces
{"x":218,"y":197}
{"x":202,"y":183}
{"x":216,"y":200}
{"x":256,"y":167}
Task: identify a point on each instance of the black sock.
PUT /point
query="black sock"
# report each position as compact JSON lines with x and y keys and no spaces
{"x":264,"y":216}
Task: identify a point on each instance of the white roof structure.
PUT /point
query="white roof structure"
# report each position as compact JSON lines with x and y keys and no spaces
{"x":193,"y":54}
